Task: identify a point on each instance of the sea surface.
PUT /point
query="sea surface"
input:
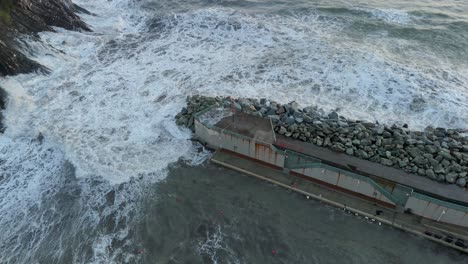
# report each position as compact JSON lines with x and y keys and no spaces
{"x":93,"y":168}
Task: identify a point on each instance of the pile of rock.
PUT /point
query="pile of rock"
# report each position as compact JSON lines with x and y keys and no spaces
{"x":437,"y":153}
{"x":195,"y":104}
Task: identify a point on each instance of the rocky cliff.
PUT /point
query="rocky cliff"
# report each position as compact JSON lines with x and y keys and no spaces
{"x":30,"y":17}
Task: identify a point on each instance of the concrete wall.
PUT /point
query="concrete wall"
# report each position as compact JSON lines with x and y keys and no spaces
{"x":437,"y":211}
{"x":344,"y":181}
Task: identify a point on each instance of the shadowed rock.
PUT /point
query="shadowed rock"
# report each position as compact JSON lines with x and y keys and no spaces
{"x":3,"y":98}
{"x":13,"y":62}
{"x":31,"y":17}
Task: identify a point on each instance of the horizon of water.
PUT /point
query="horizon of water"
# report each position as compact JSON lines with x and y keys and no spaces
{"x":106,"y":111}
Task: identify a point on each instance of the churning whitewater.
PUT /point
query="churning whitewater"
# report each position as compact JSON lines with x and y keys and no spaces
{"x":89,"y":137}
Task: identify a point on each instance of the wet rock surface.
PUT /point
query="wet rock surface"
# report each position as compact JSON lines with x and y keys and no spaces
{"x":439,"y":154}
{"x":3,"y":99}
{"x":195,"y":104}
{"x":27,"y":17}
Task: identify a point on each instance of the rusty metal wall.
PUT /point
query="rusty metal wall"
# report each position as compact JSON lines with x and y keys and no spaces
{"x":239,"y":144}
{"x":266,"y":154}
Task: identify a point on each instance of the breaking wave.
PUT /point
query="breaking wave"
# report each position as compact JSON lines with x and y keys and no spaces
{"x":389,"y":15}
{"x":101,"y":125}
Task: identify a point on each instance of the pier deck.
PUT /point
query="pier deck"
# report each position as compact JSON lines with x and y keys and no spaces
{"x":408,"y":222}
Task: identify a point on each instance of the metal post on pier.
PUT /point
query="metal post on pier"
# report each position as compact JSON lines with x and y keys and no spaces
{"x":440,"y":216}
{"x":233,"y":110}
{"x":273,"y":130}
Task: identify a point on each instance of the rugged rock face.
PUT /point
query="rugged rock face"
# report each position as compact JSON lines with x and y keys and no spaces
{"x":30,"y":17}
{"x":2,"y":106}
{"x":195,"y":104}
{"x":437,"y":153}
{"x":14,"y":62}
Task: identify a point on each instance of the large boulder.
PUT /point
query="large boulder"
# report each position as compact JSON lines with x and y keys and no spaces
{"x":420,"y":160}
{"x":451,"y":177}
{"x":333,"y":116}
{"x":461,"y":182}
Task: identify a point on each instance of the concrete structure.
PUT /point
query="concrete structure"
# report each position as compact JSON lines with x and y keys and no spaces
{"x":252,"y":138}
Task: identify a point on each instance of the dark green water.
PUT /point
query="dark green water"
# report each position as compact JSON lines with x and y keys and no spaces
{"x":213,"y":215}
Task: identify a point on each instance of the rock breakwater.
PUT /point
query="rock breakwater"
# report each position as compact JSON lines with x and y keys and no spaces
{"x":437,"y":153}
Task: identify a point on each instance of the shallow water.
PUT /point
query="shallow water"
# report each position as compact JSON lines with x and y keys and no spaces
{"x":106,"y":112}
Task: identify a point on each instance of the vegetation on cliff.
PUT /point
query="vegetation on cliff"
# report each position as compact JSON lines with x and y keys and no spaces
{"x":5,"y":9}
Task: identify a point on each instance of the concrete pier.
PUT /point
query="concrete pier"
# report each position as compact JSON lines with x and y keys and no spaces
{"x":248,"y":144}
{"x":407,"y":222}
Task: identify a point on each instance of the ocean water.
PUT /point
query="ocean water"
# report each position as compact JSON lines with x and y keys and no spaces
{"x":85,"y":161}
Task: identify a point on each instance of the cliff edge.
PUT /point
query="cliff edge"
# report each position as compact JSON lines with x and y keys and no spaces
{"x":28,"y":17}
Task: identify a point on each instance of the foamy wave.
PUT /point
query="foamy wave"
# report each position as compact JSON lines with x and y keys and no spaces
{"x":27,"y":172}
{"x":112,"y":101}
{"x":49,"y":214}
{"x":197,"y":156}
{"x":389,"y":15}
{"x":214,"y":245}
{"x":108,"y":107}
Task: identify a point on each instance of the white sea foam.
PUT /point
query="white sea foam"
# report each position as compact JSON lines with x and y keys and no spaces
{"x":23,"y":183}
{"x":213,"y":245}
{"x":112,"y":101}
{"x":213,"y":117}
{"x":46,"y":211}
{"x":197,"y":156}
{"x":388,"y":15}
{"x":108,"y":106}
{"x":391,"y":15}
